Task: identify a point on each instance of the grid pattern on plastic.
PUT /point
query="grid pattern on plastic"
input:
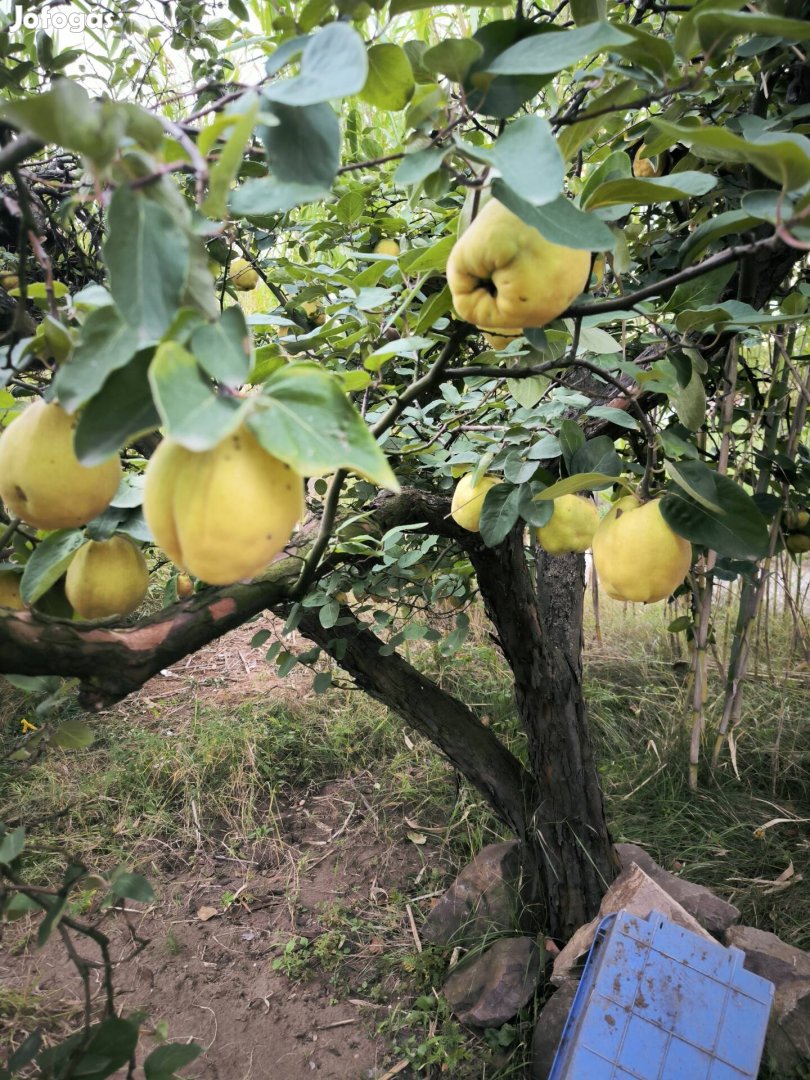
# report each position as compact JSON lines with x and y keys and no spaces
{"x":658,"y":1002}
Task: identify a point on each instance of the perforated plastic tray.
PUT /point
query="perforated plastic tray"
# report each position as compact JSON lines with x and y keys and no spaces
{"x":657,"y":1002}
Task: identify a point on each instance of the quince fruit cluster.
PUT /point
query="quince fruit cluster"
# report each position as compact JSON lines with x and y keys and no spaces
{"x":43,"y":483}
{"x":637,"y":556}
{"x":796,"y":527}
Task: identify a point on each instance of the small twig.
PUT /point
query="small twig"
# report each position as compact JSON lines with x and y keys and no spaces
{"x":414,"y":931}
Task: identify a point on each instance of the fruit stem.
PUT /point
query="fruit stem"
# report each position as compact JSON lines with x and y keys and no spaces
{"x":8,"y":532}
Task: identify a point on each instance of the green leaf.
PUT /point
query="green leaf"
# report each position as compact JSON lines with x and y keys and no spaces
{"x":549,"y":53}
{"x":502,"y":95}
{"x":596,"y":456}
{"x":783,"y":157}
{"x":418,"y":165}
{"x":656,"y":189}
{"x":527,"y":392}
{"x":73,"y":735}
{"x":452,"y":57}
{"x":191,"y":411}
{"x":738,"y":531}
{"x":121,"y":411}
{"x":528,"y":159}
{"x":571,"y":485}
{"x":66,"y":116}
{"x":653,"y":52}
{"x":588,"y":11}
{"x":49,"y":561}
{"x":261,"y":198}
{"x":390,"y":83}
{"x":733,"y":221}
{"x":705,"y":289}
{"x":571,"y":439}
{"x":535,"y":513}
{"x":106,"y":343}
{"x":322,"y":682}
{"x":333,"y":65}
{"x":303,"y":148}
{"x":500,"y":513}
{"x":615,"y":416}
{"x":434,"y":257}
{"x":147,"y":254}
{"x":698,"y":481}
{"x":132,"y":887}
{"x":223,"y":172}
{"x":572,"y":138}
{"x":689,"y":403}
{"x":715,"y":25}
{"x":222,"y":349}
{"x":164,"y":1061}
{"x":304,"y":418}
{"x":558,"y":221}
{"x":11,"y":844}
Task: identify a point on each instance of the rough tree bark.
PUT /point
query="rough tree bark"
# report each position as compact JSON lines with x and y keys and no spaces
{"x":540,"y":632}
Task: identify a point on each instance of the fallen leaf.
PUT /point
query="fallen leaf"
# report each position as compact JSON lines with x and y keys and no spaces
{"x":206,"y":913}
{"x":417,"y":838}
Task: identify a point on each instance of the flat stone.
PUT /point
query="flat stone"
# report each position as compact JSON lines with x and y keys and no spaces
{"x":493,"y":894}
{"x":549,"y":1028}
{"x":636,"y":892}
{"x":787,"y":1045}
{"x":491,"y":988}
{"x":766,"y":954}
{"x":713,"y":913}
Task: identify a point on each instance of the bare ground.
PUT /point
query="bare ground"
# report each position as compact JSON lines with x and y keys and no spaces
{"x":222,"y":919}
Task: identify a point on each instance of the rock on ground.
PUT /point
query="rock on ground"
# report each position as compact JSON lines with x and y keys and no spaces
{"x":713,"y":913}
{"x":787,"y":1045}
{"x":549,"y":1028}
{"x":637,"y":893}
{"x":493,"y":894}
{"x":492,"y":987}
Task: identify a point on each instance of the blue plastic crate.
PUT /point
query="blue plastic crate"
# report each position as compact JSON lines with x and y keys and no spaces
{"x":657,"y":1002}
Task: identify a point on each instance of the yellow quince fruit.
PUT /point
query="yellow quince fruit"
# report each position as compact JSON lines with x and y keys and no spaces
{"x":571,"y":528}
{"x":106,"y":578}
{"x":41,"y":479}
{"x":636,"y":554}
{"x":468,"y":501}
{"x":221,"y":514}
{"x":10,"y":590}
{"x":503,"y":273}
{"x":797,"y":520}
{"x":387,"y":246}
{"x":242,"y":275}
{"x":497,"y":337}
{"x":184,"y":586}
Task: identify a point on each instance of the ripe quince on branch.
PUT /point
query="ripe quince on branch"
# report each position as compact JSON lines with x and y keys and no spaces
{"x":221,"y":514}
{"x":468,"y":501}
{"x":107,"y":577}
{"x":571,"y":528}
{"x":637,"y":555}
{"x":503,"y":273}
{"x":42,"y":482}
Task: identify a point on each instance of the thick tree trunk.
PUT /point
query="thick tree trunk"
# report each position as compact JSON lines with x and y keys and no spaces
{"x":540,"y":632}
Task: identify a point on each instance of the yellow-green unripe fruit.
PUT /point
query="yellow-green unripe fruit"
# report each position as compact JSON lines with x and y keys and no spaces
{"x":10,"y":590}
{"x":497,"y":338}
{"x":468,"y":501}
{"x":242,"y":275}
{"x":41,"y":479}
{"x":798,"y":543}
{"x":636,"y":554}
{"x":106,"y":578}
{"x":387,"y":247}
{"x":571,"y":527}
{"x":224,"y":513}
